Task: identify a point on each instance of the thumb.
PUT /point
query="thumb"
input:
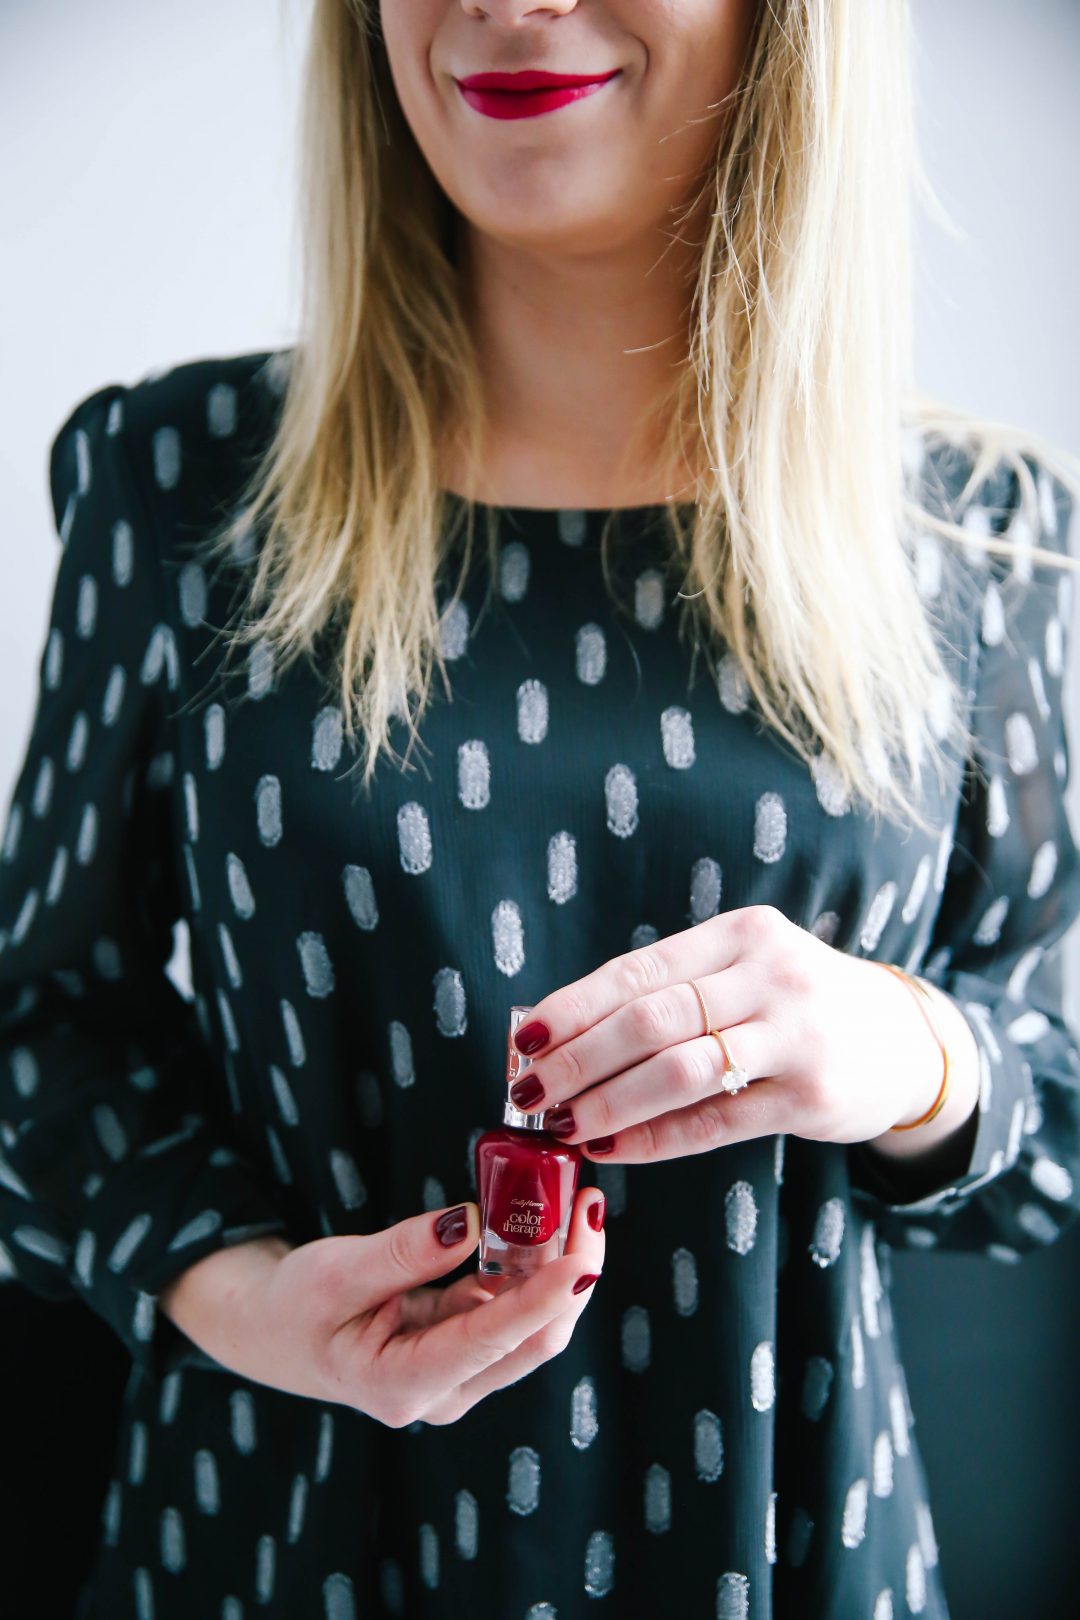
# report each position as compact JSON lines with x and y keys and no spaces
{"x":420,"y":1248}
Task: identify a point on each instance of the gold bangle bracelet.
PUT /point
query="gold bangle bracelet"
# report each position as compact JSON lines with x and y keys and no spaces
{"x":926,"y":1003}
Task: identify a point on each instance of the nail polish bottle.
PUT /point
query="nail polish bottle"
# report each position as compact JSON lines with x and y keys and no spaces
{"x":526,"y":1179}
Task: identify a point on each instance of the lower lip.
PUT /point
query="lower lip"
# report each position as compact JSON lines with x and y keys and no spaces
{"x":529,"y":103}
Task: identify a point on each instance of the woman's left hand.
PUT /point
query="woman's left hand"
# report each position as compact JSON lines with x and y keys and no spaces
{"x":835,"y":1048}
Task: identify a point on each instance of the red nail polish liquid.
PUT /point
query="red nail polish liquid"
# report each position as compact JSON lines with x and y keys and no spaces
{"x":526,"y":1179}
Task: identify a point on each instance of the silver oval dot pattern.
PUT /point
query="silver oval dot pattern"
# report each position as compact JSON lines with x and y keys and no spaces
{"x":120,"y":647}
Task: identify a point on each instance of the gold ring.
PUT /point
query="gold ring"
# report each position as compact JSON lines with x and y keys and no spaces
{"x":701,"y":998}
{"x":733,"y":1078}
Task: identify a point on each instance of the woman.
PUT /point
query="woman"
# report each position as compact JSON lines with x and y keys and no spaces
{"x":655,"y":335}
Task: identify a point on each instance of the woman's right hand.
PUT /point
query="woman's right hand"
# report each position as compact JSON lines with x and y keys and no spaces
{"x":348,"y":1319}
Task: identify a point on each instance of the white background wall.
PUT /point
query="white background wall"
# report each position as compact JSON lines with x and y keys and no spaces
{"x":145,"y":212}
{"x":146,"y":172}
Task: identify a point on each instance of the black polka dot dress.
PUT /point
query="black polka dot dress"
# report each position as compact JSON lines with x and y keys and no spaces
{"x":238,"y":996}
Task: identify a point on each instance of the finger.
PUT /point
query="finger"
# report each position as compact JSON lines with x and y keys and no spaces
{"x":421,"y":1306}
{"x":591,"y":1245}
{"x":707,"y":947}
{"x":762,"y":1109}
{"x":637,"y":1029}
{"x":438,"y":1358}
{"x":369,"y":1267}
{"x":587,"y":1224}
{"x":676,"y":1077}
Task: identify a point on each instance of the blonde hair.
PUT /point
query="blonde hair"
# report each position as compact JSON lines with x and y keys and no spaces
{"x":795,"y":395}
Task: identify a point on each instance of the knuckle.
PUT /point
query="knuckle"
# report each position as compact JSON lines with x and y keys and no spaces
{"x":446,"y":1414}
{"x":324,"y":1359}
{"x":648,"y":1020}
{"x":639,"y":972}
{"x":601,"y":1113}
{"x":793,"y":976}
{"x":765,"y":922}
{"x":329,"y":1271}
{"x":813,"y":1045}
{"x":706,"y":1126}
{"x":703,"y":1061}
{"x":481,"y":1350}
{"x":647,"y":1128}
{"x":399,"y":1250}
{"x":553,"y":1339}
{"x":397,"y":1414}
{"x":814,"y":1092}
{"x":324,"y":1280}
{"x":569,"y":1066}
{"x":577,"y":1012}
{"x":690,"y":1073}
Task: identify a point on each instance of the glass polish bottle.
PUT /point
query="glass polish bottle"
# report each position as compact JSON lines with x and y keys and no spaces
{"x":526,"y":1179}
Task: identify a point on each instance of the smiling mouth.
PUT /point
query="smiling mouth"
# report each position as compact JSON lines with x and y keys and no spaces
{"x":526,"y":95}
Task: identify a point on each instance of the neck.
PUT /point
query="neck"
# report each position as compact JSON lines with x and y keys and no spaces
{"x":575,"y":353}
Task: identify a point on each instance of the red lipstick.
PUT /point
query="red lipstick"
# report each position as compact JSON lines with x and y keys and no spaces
{"x":524,"y":95}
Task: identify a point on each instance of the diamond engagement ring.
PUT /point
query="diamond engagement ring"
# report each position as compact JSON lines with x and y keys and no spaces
{"x":733,"y":1078}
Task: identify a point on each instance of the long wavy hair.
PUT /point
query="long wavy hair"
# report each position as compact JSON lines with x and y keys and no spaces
{"x":805,"y":548}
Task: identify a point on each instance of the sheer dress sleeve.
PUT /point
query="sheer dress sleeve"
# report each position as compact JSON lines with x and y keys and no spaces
{"x":1011,"y":894}
{"x":116,"y":1169}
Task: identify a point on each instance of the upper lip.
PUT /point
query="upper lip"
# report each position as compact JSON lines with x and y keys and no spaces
{"x":530,"y":80}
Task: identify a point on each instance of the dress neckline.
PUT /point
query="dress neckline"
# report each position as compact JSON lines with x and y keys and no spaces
{"x":541,"y":519}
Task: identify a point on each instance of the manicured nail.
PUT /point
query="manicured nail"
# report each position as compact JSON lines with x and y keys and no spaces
{"x":560,"y":1121}
{"x":452,"y":1225}
{"x":584,"y":1282}
{"x":601,"y":1144}
{"x":531,"y":1037}
{"x":595,"y":1214}
{"x":526,"y":1091}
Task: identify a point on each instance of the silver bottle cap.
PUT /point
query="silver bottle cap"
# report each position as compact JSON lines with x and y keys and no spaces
{"x":516,"y":1065}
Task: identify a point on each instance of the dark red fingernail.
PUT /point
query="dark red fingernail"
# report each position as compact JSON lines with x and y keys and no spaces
{"x":584,"y":1282}
{"x":531,"y":1037}
{"x":452,"y":1225}
{"x":527,"y":1091}
{"x":595,"y":1215}
{"x":560,"y":1121}
{"x":601,"y":1144}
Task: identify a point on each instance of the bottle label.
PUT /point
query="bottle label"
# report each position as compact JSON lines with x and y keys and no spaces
{"x":528,"y":1220}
